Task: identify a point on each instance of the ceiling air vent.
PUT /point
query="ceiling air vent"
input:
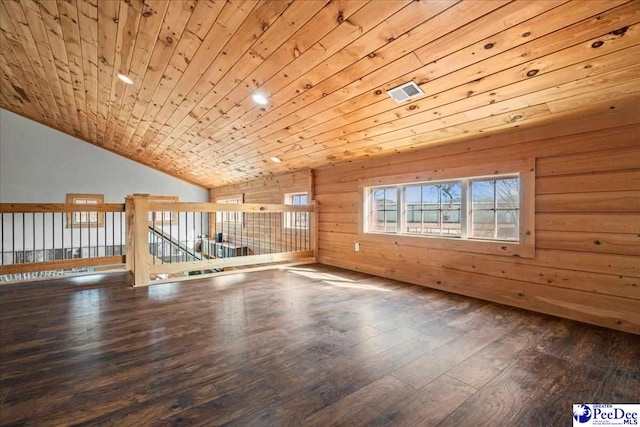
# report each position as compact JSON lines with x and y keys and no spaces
{"x":405,"y":92}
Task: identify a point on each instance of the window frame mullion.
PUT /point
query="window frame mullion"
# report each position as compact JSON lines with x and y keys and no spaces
{"x":400,"y":221}
{"x":465,"y":212}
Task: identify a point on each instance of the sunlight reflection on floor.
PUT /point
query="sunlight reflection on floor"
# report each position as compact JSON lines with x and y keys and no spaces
{"x":333,"y":280}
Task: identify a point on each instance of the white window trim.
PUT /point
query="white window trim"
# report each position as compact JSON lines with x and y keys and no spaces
{"x":466,"y":208}
{"x":524,"y":247}
{"x":288,"y":197}
{"x":220,"y":216}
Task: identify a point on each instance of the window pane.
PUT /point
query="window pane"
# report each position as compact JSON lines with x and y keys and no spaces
{"x":508,"y":193}
{"x":413,"y":194}
{"x":430,"y":197}
{"x":508,"y":205}
{"x":384,"y":206}
{"x":508,"y":221}
{"x":451,"y":194}
{"x":482,"y":194}
{"x":299,"y":199}
{"x":483,"y":223}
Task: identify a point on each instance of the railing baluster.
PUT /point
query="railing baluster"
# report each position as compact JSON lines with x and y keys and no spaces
{"x":80,"y":235}
{"x":53,"y":236}
{"x":89,"y":234}
{"x":113,"y":233}
{"x":97,"y":233}
{"x":241,"y":240}
{"x":24,"y":239}
{"x":280,"y":226}
{"x":13,"y":237}
{"x":194,"y":237}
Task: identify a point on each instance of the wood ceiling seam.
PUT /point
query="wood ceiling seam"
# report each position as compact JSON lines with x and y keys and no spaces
{"x":342,"y":27}
{"x":346,"y":9}
{"x":7,"y":93}
{"x":579,"y":67}
{"x":13,"y":44}
{"x":287,"y":138}
{"x":10,"y":82}
{"x":486,"y":126}
{"x":315,"y":93}
{"x":88,"y":28}
{"x":148,"y":35}
{"x":252,"y":26}
{"x":182,"y":117}
{"x":51,"y":19}
{"x":127,"y":27}
{"x":208,"y":99}
{"x":68,"y":16}
{"x":372,"y":33}
{"x":458,"y":71}
{"x":29,"y":48}
{"x":164,"y":48}
{"x":108,"y":19}
{"x":211,"y":43}
{"x":57,"y":101}
{"x":181,"y":54}
{"x":483,"y":125}
{"x":419,"y":101}
{"x":503,"y":120}
{"x":293,"y":48}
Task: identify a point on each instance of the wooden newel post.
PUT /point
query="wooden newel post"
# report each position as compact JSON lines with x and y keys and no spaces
{"x":137,"y":214}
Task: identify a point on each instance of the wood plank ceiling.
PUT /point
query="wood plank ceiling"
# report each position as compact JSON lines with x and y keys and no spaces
{"x":325,"y":66}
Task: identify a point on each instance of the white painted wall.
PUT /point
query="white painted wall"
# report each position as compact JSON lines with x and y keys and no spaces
{"x":39,"y":164}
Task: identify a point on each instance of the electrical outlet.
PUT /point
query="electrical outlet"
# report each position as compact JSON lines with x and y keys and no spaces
{"x":357,"y":247}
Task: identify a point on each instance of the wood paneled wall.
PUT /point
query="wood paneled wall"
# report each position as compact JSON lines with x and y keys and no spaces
{"x":267,"y":190}
{"x":587,"y":217}
{"x":587,"y":262}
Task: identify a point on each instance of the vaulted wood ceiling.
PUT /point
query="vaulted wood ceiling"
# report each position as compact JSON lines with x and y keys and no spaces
{"x":325,"y":66}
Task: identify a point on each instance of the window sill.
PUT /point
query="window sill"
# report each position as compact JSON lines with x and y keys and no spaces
{"x":490,"y":247}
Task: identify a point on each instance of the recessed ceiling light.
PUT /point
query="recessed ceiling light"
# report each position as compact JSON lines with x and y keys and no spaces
{"x":125,"y":79}
{"x":275,"y":159}
{"x":260,"y":99}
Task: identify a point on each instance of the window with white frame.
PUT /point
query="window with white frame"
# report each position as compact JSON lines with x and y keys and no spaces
{"x":495,"y":210}
{"x":384,"y":210}
{"x":478,"y":208}
{"x":296,"y":219}
{"x":229,"y":217}
{"x":433,"y":209}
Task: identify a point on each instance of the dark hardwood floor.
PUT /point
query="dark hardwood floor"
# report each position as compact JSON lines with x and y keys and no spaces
{"x":311,"y":346}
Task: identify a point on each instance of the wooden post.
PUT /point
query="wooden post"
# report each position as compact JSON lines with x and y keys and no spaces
{"x":130,"y":245}
{"x":137,"y":208}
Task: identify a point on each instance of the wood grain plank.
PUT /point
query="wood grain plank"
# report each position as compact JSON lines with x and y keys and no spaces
{"x":68,"y":18}
{"x":154,"y":20}
{"x":108,"y":19}
{"x":209,"y":28}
